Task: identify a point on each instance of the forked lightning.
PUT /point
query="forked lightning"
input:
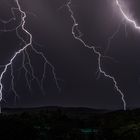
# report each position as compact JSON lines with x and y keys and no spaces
{"x":75,"y":27}
{"x":25,"y":53}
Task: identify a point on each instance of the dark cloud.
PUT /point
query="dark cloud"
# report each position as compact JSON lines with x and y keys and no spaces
{"x":75,"y":66}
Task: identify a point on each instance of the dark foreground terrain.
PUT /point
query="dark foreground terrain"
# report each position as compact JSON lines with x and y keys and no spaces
{"x":57,"y":123}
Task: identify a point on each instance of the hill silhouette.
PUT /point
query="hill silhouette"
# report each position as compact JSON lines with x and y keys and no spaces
{"x":62,"y":123}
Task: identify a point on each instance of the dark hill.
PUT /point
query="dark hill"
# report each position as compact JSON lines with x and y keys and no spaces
{"x":61,"y":123}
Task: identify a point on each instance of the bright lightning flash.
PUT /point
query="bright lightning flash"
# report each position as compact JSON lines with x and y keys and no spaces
{"x":75,"y":27}
{"x":126,"y":17}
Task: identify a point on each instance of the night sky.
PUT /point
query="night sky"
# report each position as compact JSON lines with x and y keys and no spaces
{"x":101,"y":24}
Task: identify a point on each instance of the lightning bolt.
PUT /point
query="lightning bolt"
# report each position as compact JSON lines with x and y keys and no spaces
{"x":75,"y":27}
{"x":77,"y":37}
{"x":126,"y":17}
{"x":25,"y":54}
